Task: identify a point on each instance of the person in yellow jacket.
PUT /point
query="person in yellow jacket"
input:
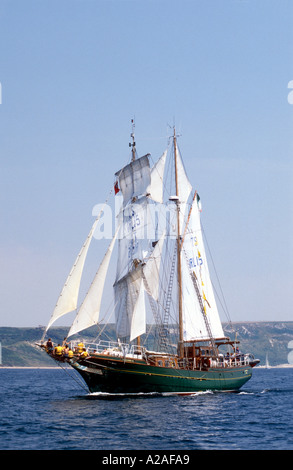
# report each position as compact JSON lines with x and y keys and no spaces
{"x":70,"y":353}
{"x":84,"y":353}
{"x":58,"y":350}
{"x":80,"y":348}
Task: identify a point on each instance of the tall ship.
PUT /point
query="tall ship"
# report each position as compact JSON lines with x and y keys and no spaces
{"x":162,"y":290}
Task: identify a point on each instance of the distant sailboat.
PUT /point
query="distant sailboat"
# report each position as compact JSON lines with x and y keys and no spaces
{"x":161,"y":264}
{"x":267,"y":366}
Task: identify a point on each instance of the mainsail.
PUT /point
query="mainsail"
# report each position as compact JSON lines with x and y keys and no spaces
{"x":197,"y":315}
{"x":199,"y":310}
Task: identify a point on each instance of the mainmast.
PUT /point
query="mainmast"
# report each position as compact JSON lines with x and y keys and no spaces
{"x":179,"y":271}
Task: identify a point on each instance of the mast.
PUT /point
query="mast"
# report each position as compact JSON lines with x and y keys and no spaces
{"x":179,"y":270}
{"x":132,"y":145}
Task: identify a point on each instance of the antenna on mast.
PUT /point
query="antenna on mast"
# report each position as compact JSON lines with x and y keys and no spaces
{"x":132,"y":144}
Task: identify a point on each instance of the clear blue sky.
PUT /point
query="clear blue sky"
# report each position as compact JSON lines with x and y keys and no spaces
{"x":74,"y":73}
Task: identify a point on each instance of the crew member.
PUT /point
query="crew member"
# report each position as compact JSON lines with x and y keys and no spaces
{"x":49,"y":345}
{"x":84,"y":353}
{"x":80,"y":348}
{"x":58,"y":350}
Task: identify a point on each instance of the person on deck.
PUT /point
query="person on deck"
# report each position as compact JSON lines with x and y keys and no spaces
{"x":80,"y":348}
{"x":49,"y":345}
{"x":58,"y":350}
{"x":84,"y":353}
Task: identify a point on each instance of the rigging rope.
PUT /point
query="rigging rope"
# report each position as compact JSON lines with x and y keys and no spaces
{"x":81,"y":384}
{"x":225,"y":307}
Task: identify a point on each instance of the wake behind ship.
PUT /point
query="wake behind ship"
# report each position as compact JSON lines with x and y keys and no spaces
{"x":162,"y":273}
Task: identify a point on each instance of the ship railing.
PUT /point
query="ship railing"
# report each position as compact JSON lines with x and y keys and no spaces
{"x":232,"y":361}
{"x":110,"y":348}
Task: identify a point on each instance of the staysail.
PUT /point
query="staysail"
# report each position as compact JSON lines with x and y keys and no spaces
{"x":89,"y":312}
{"x":67,"y":301}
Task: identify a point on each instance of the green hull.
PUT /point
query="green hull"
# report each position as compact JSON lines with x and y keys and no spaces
{"x":112,"y":375}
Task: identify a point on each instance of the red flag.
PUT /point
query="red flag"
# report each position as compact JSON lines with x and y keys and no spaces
{"x":116,"y":189}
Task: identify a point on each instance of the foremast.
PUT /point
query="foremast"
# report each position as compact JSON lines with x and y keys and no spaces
{"x":132,"y":144}
{"x":133,"y":152}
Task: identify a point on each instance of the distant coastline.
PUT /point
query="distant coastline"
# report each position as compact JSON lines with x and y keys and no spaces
{"x":270,"y":342}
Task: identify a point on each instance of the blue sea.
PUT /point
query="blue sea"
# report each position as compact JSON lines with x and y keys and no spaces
{"x":50,"y":409}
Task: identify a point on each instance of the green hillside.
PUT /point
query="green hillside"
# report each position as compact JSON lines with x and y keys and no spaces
{"x":260,"y":338}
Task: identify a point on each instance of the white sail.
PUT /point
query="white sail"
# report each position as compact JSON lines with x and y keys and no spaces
{"x":155,"y":189}
{"x":127,"y":292}
{"x":184,"y":185}
{"x":134,"y":178}
{"x":151,"y":270}
{"x":89,"y":312}
{"x":184,"y":190}
{"x":194,"y":326}
{"x":134,"y":243}
{"x":67,"y":301}
{"x":195,"y":260}
{"x":138,"y":321}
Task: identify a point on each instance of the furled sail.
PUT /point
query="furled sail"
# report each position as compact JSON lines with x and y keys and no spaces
{"x":88,"y":314}
{"x":67,"y":301}
{"x":194,"y":261}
